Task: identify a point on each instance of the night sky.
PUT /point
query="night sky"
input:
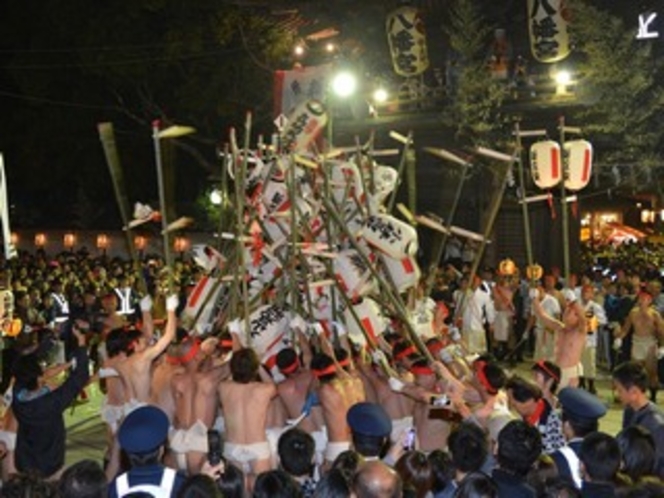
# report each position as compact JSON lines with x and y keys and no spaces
{"x":66,"y":65}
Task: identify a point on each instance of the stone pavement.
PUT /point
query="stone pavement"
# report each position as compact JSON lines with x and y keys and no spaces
{"x":87,"y":434}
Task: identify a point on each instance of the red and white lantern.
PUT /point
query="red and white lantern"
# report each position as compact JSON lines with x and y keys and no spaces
{"x":579,"y":163}
{"x":546,"y":164}
{"x":305,"y":124}
{"x":353,"y":275}
{"x":390,"y":235}
{"x":405,"y":272}
{"x":372,"y":322}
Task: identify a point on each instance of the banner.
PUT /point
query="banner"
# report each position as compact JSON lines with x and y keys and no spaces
{"x":296,"y":86}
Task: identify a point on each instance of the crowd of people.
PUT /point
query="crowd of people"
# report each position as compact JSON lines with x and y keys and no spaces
{"x":435,"y":411}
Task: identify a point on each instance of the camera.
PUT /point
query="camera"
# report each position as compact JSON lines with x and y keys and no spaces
{"x":215,"y":447}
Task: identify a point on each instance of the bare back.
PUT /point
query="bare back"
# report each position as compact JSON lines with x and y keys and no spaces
{"x":336,"y":401}
{"x":245,"y":407}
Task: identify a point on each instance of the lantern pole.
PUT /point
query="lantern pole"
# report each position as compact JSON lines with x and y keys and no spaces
{"x":563,"y":205}
{"x":518,"y":133}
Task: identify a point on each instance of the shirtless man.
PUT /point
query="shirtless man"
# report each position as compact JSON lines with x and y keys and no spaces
{"x":647,"y":328}
{"x":112,"y":408}
{"x":398,"y":407}
{"x":570,"y":335}
{"x":298,"y":397}
{"x":136,"y":369}
{"x":430,"y":425}
{"x":245,"y":400}
{"x":166,"y":367}
{"x":335,"y":399}
{"x":194,"y":388}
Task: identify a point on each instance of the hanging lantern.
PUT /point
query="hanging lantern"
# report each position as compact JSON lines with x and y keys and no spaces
{"x":407,"y":39}
{"x":547,"y":27}
{"x":545,"y":165}
{"x":507,"y":267}
{"x":534,"y":272}
{"x":579,"y":163}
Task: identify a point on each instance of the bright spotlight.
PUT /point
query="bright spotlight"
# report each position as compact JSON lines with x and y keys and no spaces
{"x":380,"y":96}
{"x":330,"y":47}
{"x":344,"y":84}
{"x":298,"y":50}
{"x":562,"y":77}
{"x":215,"y":197}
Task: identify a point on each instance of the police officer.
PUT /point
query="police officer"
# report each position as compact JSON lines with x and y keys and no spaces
{"x":142,"y":436}
{"x":370,"y":427}
{"x":581,"y":412}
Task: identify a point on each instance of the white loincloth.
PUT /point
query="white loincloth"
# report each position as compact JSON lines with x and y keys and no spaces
{"x":112,"y":414}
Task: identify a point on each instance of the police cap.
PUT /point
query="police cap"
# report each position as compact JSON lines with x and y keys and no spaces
{"x":579,"y":404}
{"x":369,"y":419}
{"x":143,"y":430}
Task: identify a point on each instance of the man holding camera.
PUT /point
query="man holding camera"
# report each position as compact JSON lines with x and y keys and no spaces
{"x":38,"y":408}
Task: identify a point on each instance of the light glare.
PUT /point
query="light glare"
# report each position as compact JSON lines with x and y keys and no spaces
{"x":344,"y":84}
{"x":563,"y":78}
{"x":380,"y":96}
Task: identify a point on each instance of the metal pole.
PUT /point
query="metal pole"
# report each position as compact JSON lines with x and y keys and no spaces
{"x":563,"y":204}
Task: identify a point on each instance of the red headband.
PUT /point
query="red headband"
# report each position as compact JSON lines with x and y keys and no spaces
{"x":406,"y":352}
{"x":226,"y":343}
{"x":193,"y":351}
{"x":422,"y":370}
{"x":344,"y":363}
{"x":291,"y":368}
{"x":325,"y":371}
{"x":172,"y":360}
{"x":481,"y":376}
{"x":435,"y":346}
{"x":542,"y":365}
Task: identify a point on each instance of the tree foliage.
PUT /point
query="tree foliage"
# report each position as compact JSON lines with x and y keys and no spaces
{"x":475,"y":99}
{"x":621,"y":86}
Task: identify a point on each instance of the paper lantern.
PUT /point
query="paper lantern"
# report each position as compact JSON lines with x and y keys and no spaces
{"x":405,"y":272}
{"x":578,"y":163}
{"x":372,"y":322}
{"x":304,"y":126}
{"x":547,"y":27}
{"x":390,"y":235}
{"x":545,"y":164}
{"x":534,"y":272}
{"x":407,"y":40}
{"x":507,"y":267}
